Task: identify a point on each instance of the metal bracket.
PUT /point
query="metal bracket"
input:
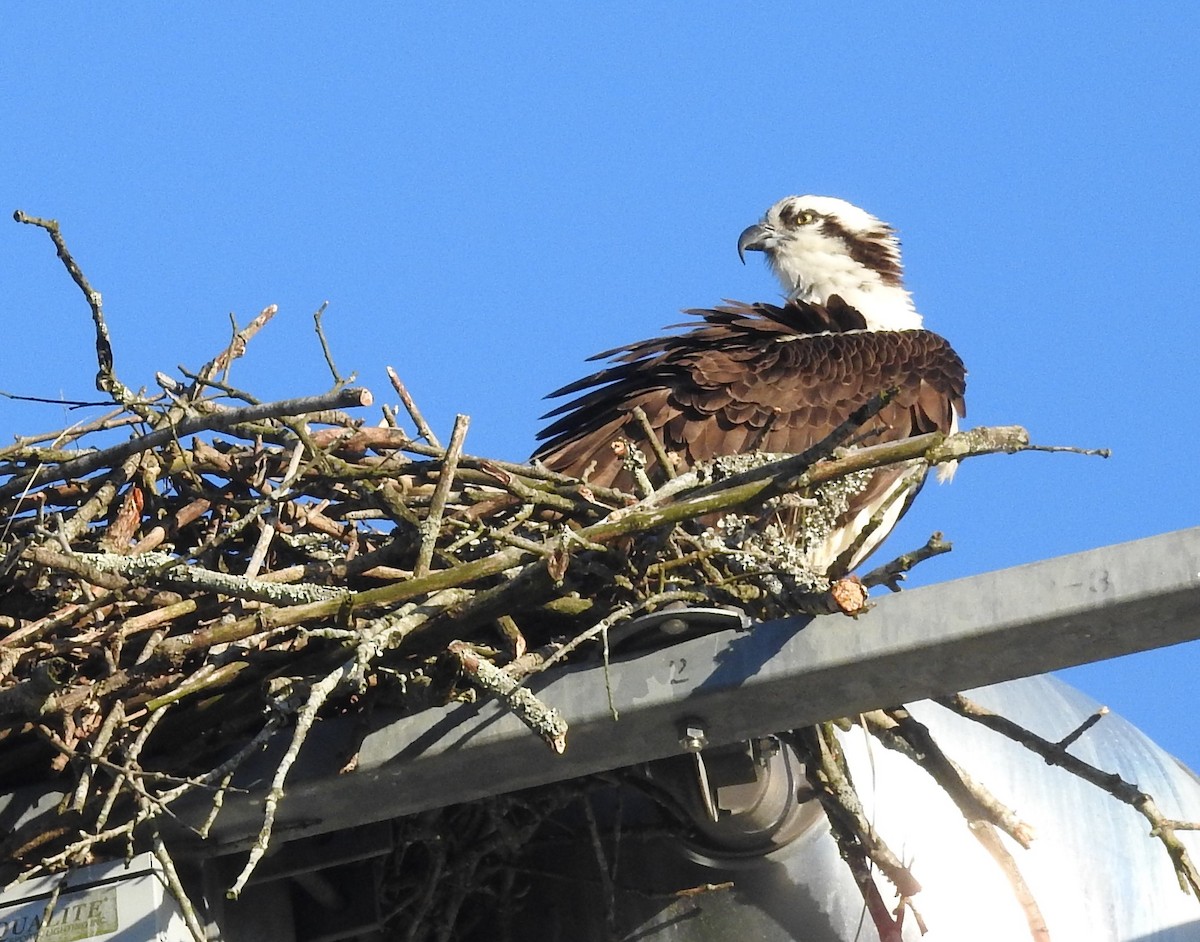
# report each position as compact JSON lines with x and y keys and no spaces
{"x":672,"y":624}
{"x":694,"y":740}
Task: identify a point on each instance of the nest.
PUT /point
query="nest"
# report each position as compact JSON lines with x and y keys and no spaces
{"x":192,"y":573}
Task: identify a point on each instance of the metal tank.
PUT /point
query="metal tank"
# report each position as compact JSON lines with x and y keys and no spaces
{"x":1094,"y":869}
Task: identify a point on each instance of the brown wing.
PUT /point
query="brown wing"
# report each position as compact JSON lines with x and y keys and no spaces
{"x":753,"y":377}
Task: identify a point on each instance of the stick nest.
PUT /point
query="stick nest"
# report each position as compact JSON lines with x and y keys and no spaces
{"x":185,"y":572}
{"x":191,"y":573}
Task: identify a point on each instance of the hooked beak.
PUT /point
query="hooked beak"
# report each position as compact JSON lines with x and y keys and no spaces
{"x":752,"y":239}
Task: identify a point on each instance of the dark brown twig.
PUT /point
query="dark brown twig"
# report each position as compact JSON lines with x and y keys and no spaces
{"x":829,"y":776}
{"x":318,"y":314}
{"x":1083,"y":727}
{"x":983,"y":812}
{"x":106,"y":379}
{"x":1123,"y":791}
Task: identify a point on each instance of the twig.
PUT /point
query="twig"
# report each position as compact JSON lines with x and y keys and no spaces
{"x":69,"y":403}
{"x":827,"y":772}
{"x":432,"y":525}
{"x":127,"y":783}
{"x":266,"y":533}
{"x":76,"y":565}
{"x":266,"y":526}
{"x":414,"y":413}
{"x":171,"y":571}
{"x":319,"y":693}
{"x":1083,"y":727}
{"x":48,"y":909}
{"x":893,"y":573}
{"x":116,"y":717}
{"x":101,"y":500}
{"x":338,"y":381}
{"x":543,"y":720}
{"x":1123,"y":791}
{"x":106,"y":379}
{"x":634,"y":463}
{"x":1072,"y":450}
{"x":212,"y":421}
{"x":67,"y":615}
{"x":217,"y":803}
{"x":612,"y":618}
{"x":897,"y":729}
{"x":131,"y":758}
{"x":981,"y":810}
{"x":656,"y":446}
{"x":221,"y":363}
{"x":175,"y":885}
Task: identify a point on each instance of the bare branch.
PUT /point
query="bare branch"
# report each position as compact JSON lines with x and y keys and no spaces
{"x":212,"y":421}
{"x":1123,"y":791}
{"x":543,"y":720}
{"x":221,"y":363}
{"x":432,"y":525}
{"x":106,"y":379}
{"x":893,"y":573}
{"x":414,"y":413}
{"x":338,"y":380}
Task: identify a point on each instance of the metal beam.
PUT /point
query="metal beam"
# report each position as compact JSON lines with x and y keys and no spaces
{"x":920,"y":643}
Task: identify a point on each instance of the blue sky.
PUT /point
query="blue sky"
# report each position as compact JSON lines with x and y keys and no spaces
{"x":487,"y":196}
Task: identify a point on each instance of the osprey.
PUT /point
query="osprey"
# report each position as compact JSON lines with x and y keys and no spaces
{"x":780,"y":378}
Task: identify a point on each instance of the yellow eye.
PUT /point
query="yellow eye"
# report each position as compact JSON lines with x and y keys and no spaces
{"x":793,"y":217}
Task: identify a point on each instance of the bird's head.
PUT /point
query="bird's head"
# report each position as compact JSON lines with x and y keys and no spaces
{"x":819,"y":246}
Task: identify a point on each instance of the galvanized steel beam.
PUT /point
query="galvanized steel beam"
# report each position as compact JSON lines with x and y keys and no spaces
{"x":936,"y":640}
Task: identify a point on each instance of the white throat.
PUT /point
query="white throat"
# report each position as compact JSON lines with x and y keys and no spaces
{"x":812,"y":268}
